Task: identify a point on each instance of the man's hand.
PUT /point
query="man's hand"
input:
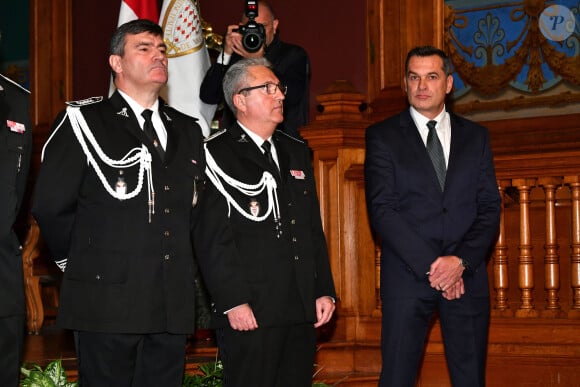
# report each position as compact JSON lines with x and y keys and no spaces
{"x":445,"y":272}
{"x":455,"y":291}
{"x":324,"y":309}
{"x":242,"y":318}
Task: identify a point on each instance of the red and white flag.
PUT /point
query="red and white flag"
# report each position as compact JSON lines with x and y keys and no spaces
{"x":188,"y":59}
{"x":136,"y":9}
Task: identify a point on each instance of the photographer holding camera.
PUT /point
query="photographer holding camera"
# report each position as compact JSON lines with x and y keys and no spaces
{"x":256,"y":37}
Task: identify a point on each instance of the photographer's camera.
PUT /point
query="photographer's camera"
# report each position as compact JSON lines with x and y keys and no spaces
{"x":253,"y":34}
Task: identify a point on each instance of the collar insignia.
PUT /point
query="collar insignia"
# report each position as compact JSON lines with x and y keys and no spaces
{"x":123,"y":112}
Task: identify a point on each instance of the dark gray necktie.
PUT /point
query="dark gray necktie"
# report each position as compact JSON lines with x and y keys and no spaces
{"x":435,"y":151}
{"x":149,"y":130}
{"x":267,"y":147}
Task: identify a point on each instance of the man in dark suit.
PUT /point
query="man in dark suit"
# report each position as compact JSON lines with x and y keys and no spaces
{"x":262,"y":249}
{"x":433,"y":202}
{"x":116,"y":202}
{"x":290,"y":64}
{"x":15,"y":150}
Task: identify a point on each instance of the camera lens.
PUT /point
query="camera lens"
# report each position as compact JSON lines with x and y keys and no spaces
{"x":252,"y":41}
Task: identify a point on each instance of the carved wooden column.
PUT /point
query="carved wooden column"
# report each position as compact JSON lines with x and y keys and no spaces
{"x":574,"y":183}
{"x":378,"y":310}
{"x":526,"y":260}
{"x":336,"y":138}
{"x":500,"y":261}
{"x":552,"y":258}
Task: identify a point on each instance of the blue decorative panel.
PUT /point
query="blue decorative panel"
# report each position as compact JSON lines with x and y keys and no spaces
{"x":529,"y":46}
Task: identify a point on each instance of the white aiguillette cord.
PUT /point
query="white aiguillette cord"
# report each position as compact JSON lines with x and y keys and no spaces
{"x":135,"y":156}
{"x":267,"y":182}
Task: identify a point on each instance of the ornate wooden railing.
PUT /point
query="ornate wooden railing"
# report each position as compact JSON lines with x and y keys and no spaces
{"x":533,"y":268}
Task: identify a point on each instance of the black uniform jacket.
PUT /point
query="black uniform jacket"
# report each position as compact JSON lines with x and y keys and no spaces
{"x":244,"y":261}
{"x":124,"y":274}
{"x":15,"y":150}
{"x":292,"y":67}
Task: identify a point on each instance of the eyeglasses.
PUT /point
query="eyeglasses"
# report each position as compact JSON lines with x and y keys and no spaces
{"x":270,"y":88}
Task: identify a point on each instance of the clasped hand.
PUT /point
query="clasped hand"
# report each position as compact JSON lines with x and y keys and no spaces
{"x":445,"y":275}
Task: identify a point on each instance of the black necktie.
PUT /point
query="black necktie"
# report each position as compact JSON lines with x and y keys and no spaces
{"x":435,"y":151}
{"x":149,"y":130}
{"x":266,"y":146}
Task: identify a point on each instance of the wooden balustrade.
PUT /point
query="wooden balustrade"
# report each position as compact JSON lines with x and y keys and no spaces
{"x":534,"y":268}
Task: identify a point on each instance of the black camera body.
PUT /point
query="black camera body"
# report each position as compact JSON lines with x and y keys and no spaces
{"x":253,"y":34}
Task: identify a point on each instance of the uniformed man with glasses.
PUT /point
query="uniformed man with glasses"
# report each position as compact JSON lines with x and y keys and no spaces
{"x":262,"y":249}
{"x":290,"y":63}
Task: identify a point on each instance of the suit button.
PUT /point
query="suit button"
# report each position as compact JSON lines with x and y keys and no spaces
{"x":166,"y":257}
{"x":166,"y":233}
{"x":166,"y":188}
{"x":167,"y":210}
{"x":97,"y":277}
{"x":305,"y":192}
{"x":294,"y":239}
{"x":293,"y":221}
{"x":296,"y":258}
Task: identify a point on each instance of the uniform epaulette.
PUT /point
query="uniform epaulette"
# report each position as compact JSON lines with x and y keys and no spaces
{"x":18,"y":85}
{"x":216,"y":134}
{"x":289,"y":136}
{"x":84,"y":102}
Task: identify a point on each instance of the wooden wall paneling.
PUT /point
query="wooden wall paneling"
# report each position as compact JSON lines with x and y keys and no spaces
{"x":393,"y":28}
{"x":51,"y":66}
{"x":534,"y":280}
{"x":50,"y":86}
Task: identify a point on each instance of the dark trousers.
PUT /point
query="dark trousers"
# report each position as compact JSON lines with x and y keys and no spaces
{"x":11,"y":348}
{"x":268,"y":357}
{"x":130,"y":360}
{"x":464,"y":326}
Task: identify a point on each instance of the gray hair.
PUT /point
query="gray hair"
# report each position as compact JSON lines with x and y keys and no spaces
{"x":237,"y":78}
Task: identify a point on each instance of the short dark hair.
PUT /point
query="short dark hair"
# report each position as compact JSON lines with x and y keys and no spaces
{"x":133,"y":27}
{"x":423,"y":51}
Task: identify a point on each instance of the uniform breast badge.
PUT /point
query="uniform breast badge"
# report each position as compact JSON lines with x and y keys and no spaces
{"x":121,"y":185}
{"x":254,"y":207}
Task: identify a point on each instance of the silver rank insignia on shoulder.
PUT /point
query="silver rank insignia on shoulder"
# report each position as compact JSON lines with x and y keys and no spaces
{"x":167,"y":117}
{"x":123,"y":112}
{"x":243,"y":138}
{"x":84,"y":102}
{"x":254,"y":207}
{"x":216,"y":134}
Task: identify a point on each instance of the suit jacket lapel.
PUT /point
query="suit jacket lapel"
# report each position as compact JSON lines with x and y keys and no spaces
{"x":127,"y":119}
{"x":458,"y":139}
{"x":248,"y":149}
{"x":283,"y":157}
{"x":172,"y":134}
{"x":4,"y":111}
{"x":417,"y":146}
